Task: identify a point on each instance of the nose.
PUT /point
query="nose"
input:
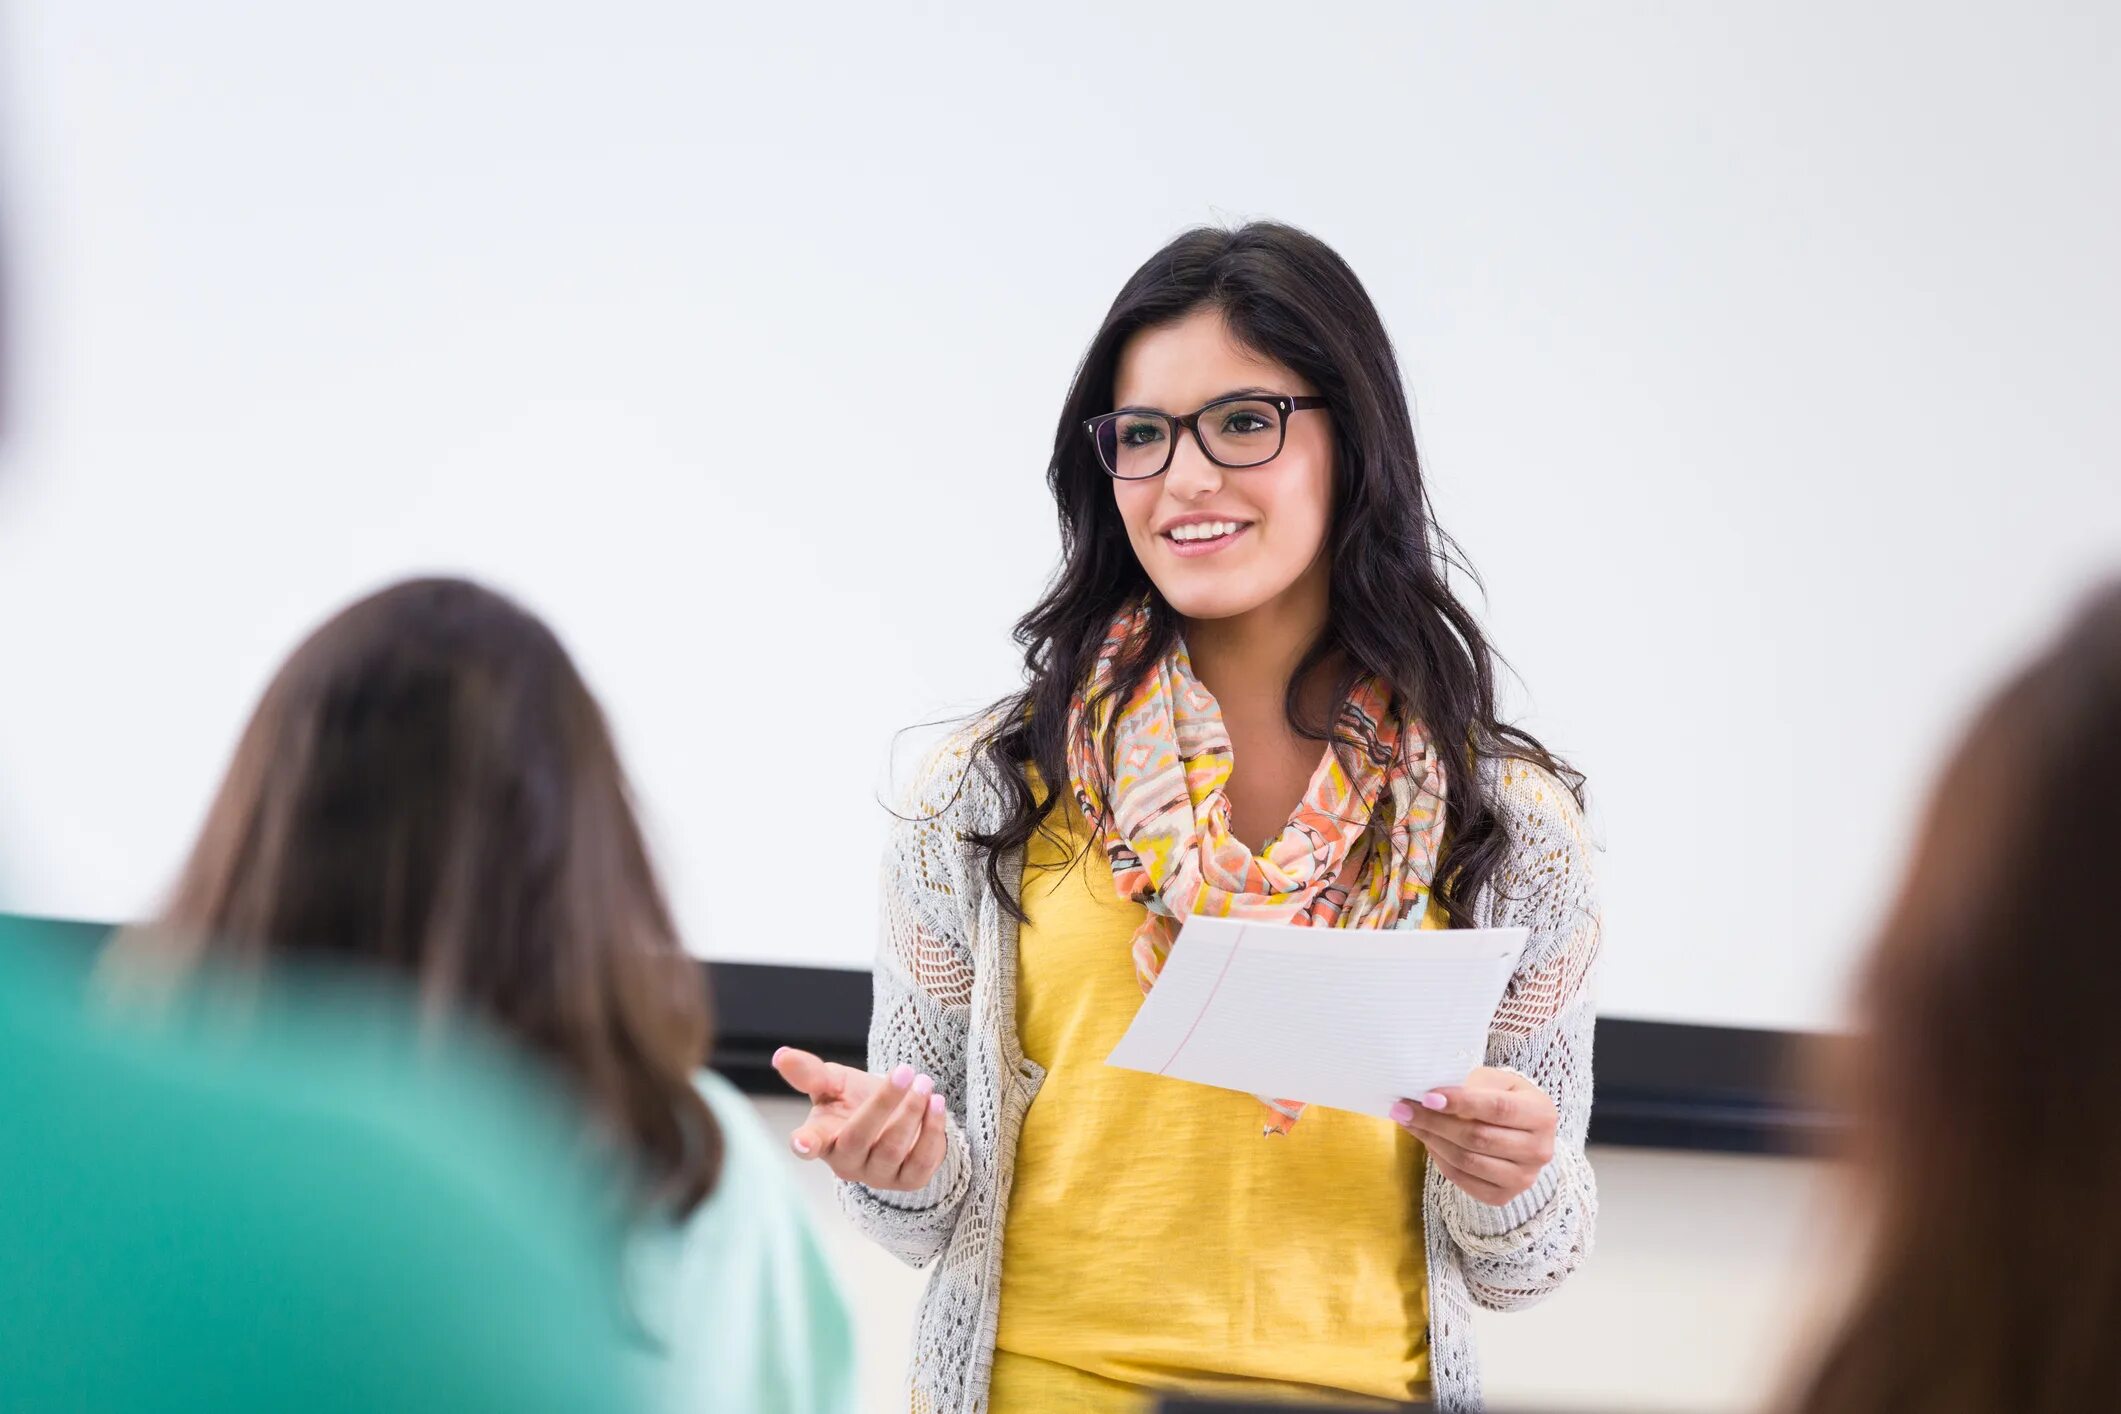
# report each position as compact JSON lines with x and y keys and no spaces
{"x":1191,"y":475}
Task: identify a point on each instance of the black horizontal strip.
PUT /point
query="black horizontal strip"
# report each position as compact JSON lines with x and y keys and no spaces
{"x":1660,"y":1084}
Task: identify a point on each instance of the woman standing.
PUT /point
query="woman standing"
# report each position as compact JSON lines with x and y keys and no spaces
{"x":1250,"y":692}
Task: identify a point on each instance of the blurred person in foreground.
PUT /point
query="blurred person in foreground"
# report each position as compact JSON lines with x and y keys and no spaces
{"x":429,"y":787}
{"x":1989,"y":1055}
{"x":295,"y":1212}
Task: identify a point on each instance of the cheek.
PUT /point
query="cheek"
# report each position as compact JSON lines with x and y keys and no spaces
{"x":1136,"y":501}
{"x":1301,"y":504}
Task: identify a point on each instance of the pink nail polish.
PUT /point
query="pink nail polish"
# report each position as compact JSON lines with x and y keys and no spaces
{"x":935,"y":1104}
{"x":801,"y":1147}
{"x":923,"y":1084}
{"x":1402,"y":1112}
{"x":1433,"y":1101}
{"x":902,"y":1077}
{"x":778,"y":1054}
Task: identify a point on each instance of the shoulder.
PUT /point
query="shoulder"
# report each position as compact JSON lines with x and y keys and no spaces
{"x":748,"y":1150}
{"x":428,"y":1187}
{"x":955,"y":776}
{"x":754,"y":1192}
{"x":742,"y":1296}
{"x":728,"y":1103}
{"x":943,"y":772}
{"x":758,"y":1202}
{"x":1548,"y":866}
{"x":951,"y":791}
{"x":1533,"y":803}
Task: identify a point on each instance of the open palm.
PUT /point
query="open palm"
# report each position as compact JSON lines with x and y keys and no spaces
{"x":887,"y":1132}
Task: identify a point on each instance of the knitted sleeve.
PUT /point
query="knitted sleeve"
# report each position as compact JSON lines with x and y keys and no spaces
{"x":923,"y":1002}
{"x":1516,"y":1254}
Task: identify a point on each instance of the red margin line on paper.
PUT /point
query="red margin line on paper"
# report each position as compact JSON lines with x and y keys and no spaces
{"x":1165,"y":1068}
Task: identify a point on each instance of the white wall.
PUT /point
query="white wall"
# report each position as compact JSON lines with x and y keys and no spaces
{"x":1763,"y":357}
{"x":1763,"y":360}
{"x":1708,"y":1270}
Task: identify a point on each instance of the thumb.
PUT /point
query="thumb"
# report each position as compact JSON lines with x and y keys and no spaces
{"x":805,"y":1072}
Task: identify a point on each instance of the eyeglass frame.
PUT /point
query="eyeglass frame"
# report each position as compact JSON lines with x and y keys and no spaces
{"x":1287,"y":406}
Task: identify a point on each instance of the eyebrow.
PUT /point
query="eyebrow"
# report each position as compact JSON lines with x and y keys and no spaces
{"x":1245,"y":392}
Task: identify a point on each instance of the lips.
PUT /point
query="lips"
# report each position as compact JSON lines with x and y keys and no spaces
{"x":1196,"y":538}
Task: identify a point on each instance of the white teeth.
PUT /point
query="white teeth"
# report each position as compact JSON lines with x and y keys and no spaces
{"x":1205,"y":530}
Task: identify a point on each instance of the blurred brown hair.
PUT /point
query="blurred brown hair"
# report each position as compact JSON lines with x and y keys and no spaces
{"x":1987,"y":1149}
{"x":428,"y":785}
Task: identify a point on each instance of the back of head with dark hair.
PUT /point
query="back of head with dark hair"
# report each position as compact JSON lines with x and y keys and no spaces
{"x":428,"y":785}
{"x":1982,"y":1084}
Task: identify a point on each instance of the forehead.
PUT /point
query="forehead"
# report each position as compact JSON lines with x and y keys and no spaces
{"x":1193,"y":360}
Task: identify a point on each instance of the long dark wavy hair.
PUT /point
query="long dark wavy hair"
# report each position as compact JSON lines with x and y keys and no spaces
{"x":1287,"y":295}
{"x":428,"y":787}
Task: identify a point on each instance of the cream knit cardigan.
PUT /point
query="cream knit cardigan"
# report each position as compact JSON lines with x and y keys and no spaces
{"x":946,"y":1005}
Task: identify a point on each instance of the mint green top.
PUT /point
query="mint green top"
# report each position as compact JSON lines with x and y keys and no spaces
{"x":299,"y":1212}
{"x":739,"y":1299}
{"x":318,"y":1209}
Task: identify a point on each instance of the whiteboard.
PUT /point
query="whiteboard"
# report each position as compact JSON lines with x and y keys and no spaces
{"x":1763,"y":363}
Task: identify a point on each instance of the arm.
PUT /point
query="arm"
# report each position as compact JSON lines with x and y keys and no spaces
{"x":923,"y":1004}
{"x":1518,"y":1253}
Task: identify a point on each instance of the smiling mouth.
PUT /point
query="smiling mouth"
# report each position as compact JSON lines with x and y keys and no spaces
{"x":1204,"y":537}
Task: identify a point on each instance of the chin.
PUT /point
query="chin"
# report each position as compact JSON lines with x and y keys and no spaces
{"x":1194,"y":599}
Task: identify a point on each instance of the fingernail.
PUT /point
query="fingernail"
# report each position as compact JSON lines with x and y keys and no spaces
{"x":1402,"y":1111}
{"x":935,"y":1104}
{"x":902,"y":1077}
{"x":802,"y":1145}
{"x":923,"y":1084}
{"x":1433,"y":1101}
{"x":778,"y":1054}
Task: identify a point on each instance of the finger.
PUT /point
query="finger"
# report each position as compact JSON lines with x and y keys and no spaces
{"x":927,"y":1155}
{"x":869,"y":1118}
{"x":1476,"y":1188}
{"x":1511,"y":1109}
{"x":902,"y":1131}
{"x":1485,"y":1167}
{"x":816,"y":1134}
{"x":821,"y":1080}
{"x":1517,"y":1145}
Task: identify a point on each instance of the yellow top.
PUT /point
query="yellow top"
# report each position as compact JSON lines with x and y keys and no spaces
{"x":1156,"y":1240}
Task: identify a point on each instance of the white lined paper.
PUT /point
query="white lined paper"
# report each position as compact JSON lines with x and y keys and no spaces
{"x":1352,"y":1020}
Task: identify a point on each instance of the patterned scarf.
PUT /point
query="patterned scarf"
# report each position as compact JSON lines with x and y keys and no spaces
{"x":1160,"y":808}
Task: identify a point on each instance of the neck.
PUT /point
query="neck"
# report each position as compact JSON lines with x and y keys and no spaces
{"x":1247,"y":660}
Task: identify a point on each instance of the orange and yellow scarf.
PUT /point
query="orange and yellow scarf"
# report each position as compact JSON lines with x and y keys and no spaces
{"x":1159,"y":805}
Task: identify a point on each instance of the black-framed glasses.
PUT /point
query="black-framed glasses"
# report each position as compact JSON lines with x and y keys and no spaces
{"x":1244,"y":429}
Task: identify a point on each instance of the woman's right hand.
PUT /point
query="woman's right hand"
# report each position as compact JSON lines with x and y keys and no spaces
{"x":885,"y":1131}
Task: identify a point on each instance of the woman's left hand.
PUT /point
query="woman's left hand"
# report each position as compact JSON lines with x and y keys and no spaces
{"x":1491,"y":1136}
